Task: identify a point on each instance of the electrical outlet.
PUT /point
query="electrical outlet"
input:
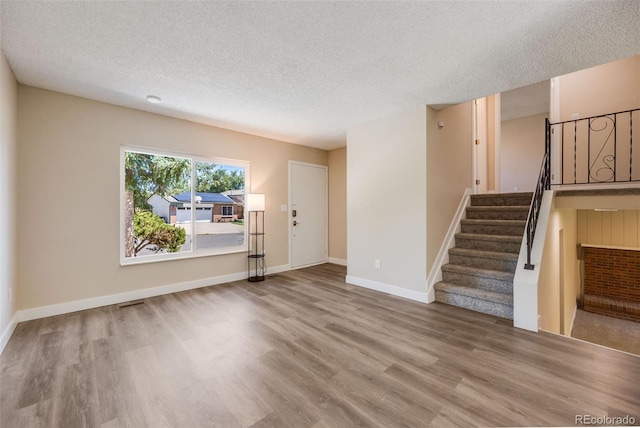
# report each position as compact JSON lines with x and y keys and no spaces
{"x":377,"y":263}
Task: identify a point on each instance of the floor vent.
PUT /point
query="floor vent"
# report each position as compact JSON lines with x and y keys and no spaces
{"x":131,"y":303}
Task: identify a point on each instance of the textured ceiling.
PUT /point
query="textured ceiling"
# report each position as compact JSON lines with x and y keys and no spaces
{"x":304,"y":72}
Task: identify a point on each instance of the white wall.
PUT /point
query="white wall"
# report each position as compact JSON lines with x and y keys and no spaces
{"x":338,"y":205}
{"x":386,"y":205}
{"x":71,"y":146}
{"x":8,"y":142}
{"x":521,"y":151}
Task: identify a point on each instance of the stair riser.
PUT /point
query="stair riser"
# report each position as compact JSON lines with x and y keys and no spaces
{"x":484,"y":263}
{"x":497,"y":215}
{"x":484,"y":245}
{"x":491,"y":308}
{"x":490,"y":284}
{"x":486,"y":229}
{"x":500,"y":200}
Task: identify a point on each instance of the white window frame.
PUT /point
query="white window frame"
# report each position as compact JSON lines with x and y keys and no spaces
{"x":194,"y":252}
{"x":227,"y":215}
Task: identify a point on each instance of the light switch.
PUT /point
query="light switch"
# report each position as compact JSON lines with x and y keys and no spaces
{"x":283,"y":208}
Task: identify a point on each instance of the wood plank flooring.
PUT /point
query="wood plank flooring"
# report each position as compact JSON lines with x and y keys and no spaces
{"x":303,"y":349}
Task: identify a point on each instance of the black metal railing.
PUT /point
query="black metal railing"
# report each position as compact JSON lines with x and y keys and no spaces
{"x":544,"y":183}
{"x":597,"y":149}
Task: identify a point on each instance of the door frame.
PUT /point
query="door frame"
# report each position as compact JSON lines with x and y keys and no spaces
{"x":479,"y":133}
{"x":290,"y":217}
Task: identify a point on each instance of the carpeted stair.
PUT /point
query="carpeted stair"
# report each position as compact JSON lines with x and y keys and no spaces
{"x":479,"y":275}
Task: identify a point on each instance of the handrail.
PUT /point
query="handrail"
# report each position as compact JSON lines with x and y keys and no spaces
{"x":544,"y":183}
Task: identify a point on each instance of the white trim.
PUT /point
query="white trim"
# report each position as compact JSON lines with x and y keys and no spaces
{"x":449,"y":242}
{"x":497,"y":134}
{"x":341,"y":262}
{"x":418,"y":296}
{"x":6,"y":334}
{"x":573,"y":319}
{"x":96,"y":302}
{"x":611,"y":247}
{"x":480,"y":125}
{"x":474,"y":154}
{"x":596,"y":186}
{"x":326,"y":214}
{"x":193,"y":252}
{"x":554,"y":117}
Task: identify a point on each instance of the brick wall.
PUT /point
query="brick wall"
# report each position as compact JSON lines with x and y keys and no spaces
{"x":612,"y":282}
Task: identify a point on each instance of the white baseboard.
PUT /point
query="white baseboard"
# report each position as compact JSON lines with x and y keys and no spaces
{"x":419,"y":296}
{"x":96,"y":302}
{"x":341,"y":262}
{"x":6,"y":334}
{"x":449,"y":242}
{"x":573,"y":319}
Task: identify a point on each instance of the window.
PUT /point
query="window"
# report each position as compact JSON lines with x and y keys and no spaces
{"x":170,"y":206}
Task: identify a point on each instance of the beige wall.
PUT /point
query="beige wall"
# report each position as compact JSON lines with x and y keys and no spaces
{"x":8,"y":142}
{"x":338,"y":204}
{"x":559,"y":267}
{"x":449,"y":170}
{"x":386,"y":207}
{"x":603,"y":89}
{"x":521,"y":151}
{"x":68,"y":195}
{"x":618,"y":228}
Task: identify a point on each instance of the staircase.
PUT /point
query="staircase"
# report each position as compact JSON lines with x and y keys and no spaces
{"x":479,"y":275}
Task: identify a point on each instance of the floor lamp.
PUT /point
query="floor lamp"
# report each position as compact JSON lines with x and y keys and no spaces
{"x":256,"y":267}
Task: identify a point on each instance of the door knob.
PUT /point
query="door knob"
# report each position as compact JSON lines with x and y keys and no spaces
{"x":295,"y":223}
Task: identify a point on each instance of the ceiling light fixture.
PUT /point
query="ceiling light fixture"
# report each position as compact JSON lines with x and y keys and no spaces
{"x":153,"y":99}
{"x":606,"y":209}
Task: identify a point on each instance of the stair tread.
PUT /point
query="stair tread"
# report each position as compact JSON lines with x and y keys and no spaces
{"x":485,"y":273}
{"x":484,"y":254}
{"x":498,"y":208}
{"x":493,"y":222}
{"x":483,"y":237}
{"x":476,"y":293}
{"x":503,"y":195}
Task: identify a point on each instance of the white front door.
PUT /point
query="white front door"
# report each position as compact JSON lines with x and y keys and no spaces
{"x":307,"y":214}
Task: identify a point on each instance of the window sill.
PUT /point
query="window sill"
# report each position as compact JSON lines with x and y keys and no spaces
{"x":182,"y":256}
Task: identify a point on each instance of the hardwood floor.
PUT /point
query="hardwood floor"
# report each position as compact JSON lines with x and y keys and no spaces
{"x":302,"y":349}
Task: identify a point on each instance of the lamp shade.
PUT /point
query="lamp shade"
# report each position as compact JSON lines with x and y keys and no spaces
{"x":255,"y":202}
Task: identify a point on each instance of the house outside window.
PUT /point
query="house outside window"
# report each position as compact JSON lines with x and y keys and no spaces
{"x":170,"y":201}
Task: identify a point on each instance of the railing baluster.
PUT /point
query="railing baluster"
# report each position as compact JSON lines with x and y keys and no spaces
{"x":615,"y":148}
{"x":562,"y":175}
{"x":630,"y":146}
{"x":575,"y":151}
{"x":588,"y":151}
